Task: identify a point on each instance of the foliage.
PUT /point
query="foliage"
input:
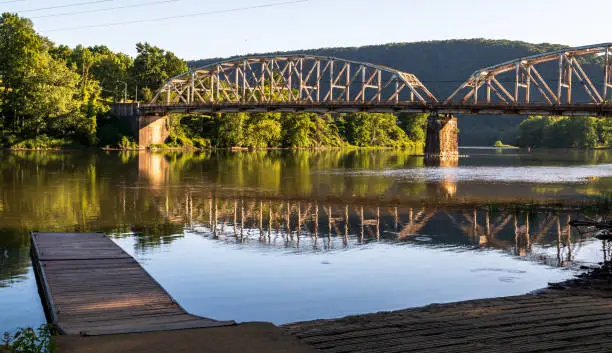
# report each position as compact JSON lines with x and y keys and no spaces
{"x":28,"y":340}
{"x":41,"y":142}
{"x":153,"y":66}
{"x":111,"y":130}
{"x":291,"y":130}
{"x":264,"y":133}
{"x":375,"y":129}
{"x":20,"y":48}
{"x":230,"y":130}
{"x":565,"y":132}
{"x":127,"y":143}
{"x":40,"y":93}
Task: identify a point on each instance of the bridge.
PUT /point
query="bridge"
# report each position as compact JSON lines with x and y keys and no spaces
{"x":555,"y":83}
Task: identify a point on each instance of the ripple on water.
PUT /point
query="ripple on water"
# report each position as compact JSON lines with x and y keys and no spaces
{"x":505,"y":270}
{"x":530,"y":174}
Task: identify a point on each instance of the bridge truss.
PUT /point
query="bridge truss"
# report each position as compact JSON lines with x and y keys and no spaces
{"x":551,"y":78}
{"x":571,"y":82}
{"x":293,"y":79}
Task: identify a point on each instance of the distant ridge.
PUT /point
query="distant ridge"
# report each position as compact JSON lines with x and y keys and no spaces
{"x":441,"y":65}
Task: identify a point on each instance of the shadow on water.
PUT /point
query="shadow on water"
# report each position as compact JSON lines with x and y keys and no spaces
{"x":303,"y":201}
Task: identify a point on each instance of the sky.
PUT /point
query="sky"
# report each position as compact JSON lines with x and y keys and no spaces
{"x":201,"y":29}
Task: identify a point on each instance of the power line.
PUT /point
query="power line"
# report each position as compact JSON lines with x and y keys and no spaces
{"x":8,"y":2}
{"x":104,"y":10}
{"x":66,"y":5}
{"x":237,"y":9}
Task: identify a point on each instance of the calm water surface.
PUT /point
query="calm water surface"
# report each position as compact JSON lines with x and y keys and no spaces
{"x":286,"y":236}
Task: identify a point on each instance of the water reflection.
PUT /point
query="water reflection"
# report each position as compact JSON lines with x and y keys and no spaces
{"x":315,"y":226}
{"x":14,"y":259}
{"x":155,"y":194}
{"x":301,"y":202}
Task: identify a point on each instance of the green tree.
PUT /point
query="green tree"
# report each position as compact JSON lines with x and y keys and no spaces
{"x":20,"y":48}
{"x":374,"y":129}
{"x":52,"y":95}
{"x":153,"y":66}
{"x":564,"y":132}
{"x":297,"y":129}
{"x":415,"y":125}
{"x":230,"y":132}
{"x":264,"y":133}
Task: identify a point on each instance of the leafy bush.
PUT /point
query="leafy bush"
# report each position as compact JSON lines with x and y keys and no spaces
{"x":201,"y":143}
{"x":42,"y":142}
{"x":127,"y":143}
{"x":28,"y":340}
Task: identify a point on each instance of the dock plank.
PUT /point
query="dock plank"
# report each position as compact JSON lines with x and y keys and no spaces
{"x":90,"y":286}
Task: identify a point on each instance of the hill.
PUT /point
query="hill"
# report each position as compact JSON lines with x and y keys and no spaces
{"x":442,"y":66}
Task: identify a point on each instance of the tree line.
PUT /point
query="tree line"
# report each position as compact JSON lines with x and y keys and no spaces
{"x":565,"y":132}
{"x":52,"y":95}
{"x":56,"y":96}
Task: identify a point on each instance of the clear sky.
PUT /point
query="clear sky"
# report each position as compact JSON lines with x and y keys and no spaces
{"x":230,"y":27}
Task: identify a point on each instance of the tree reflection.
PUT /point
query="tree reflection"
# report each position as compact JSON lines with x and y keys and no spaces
{"x":319,"y":199}
{"x":14,"y":256}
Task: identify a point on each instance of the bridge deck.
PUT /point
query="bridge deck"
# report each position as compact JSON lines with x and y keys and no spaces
{"x":90,"y":286}
{"x":575,"y":109}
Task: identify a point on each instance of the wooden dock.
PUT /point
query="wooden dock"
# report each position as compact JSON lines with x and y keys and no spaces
{"x":90,"y":286}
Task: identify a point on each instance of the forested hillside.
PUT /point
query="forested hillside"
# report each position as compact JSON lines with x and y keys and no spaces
{"x":442,"y":66}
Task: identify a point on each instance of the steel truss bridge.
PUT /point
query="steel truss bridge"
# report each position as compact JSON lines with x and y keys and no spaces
{"x":553,"y":83}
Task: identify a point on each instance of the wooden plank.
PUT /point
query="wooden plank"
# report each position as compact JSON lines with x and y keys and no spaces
{"x":92,"y":286}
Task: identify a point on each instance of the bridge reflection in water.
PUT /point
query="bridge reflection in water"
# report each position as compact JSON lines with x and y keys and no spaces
{"x":319,"y":226}
{"x":232,"y":215}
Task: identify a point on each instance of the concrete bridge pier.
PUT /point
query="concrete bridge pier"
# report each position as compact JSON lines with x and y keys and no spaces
{"x":147,"y":129}
{"x":152,"y":130}
{"x":442,"y":142}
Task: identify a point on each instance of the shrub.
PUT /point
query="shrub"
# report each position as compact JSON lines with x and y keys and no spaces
{"x":127,"y":143}
{"x":28,"y":340}
{"x":201,"y":143}
{"x":42,"y":142}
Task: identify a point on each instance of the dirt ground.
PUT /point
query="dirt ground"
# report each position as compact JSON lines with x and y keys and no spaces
{"x":249,"y":337}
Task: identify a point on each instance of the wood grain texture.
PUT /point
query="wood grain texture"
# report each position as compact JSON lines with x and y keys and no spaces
{"x":553,"y":321}
{"x":90,"y":286}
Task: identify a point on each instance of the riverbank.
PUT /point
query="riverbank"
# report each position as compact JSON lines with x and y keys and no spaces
{"x":573,"y":316}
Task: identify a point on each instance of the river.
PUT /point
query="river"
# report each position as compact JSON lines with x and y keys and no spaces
{"x":285,"y":236}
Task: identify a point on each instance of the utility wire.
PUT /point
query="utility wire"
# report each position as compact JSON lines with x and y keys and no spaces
{"x":104,"y":10}
{"x":8,"y":2}
{"x":66,"y":5}
{"x":237,"y":9}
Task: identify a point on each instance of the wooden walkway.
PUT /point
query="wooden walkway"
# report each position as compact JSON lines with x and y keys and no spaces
{"x":90,"y":286}
{"x":554,"y":321}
